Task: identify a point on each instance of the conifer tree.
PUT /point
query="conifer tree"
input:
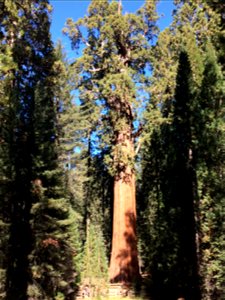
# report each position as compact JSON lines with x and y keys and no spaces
{"x":160,"y":154}
{"x":210,"y":176}
{"x":87,"y":180}
{"x":94,"y":264}
{"x":33,"y":187}
{"x":115,"y":56}
{"x":183,"y":173}
{"x":6,"y":64}
{"x":9,"y":121}
{"x":169,"y":167}
{"x":71,"y":128}
{"x":193,"y":23}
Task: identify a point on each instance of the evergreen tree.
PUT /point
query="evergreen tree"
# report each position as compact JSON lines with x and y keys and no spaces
{"x":114,"y":58}
{"x":33,"y":186}
{"x":210,"y":176}
{"x":87,"y":179}
{"x":6,"y":65}
{"x":181,"y":205}
{"x":164,"y":145}
{"x":95,"y":264}
{"x":193,"y":23}
{"x":169,"y":174}
{"x":71,"y":128}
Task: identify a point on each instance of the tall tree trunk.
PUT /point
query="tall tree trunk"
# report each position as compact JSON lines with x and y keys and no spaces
{"x":124,"y":256}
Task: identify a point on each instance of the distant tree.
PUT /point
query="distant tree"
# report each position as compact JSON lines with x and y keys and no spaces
{"x":94,"y":270}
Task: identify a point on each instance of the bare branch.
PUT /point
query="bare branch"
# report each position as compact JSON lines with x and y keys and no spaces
{"x":138,"y":148}
{"x":95,"y":70}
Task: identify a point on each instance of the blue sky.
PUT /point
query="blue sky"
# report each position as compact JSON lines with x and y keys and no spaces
{"x":75,"y":9}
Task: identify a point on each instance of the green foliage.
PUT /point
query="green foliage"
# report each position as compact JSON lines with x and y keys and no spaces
{"x":87,"y":181}
{"x":193,"y":24}
{"x":167,"y":212}
{"x":39,"y":245}
{"x":57,"y":249}
{"x":116,"y":53}
{"x":189,"y":130}
{"x":95,"y":264}
{"x":210,"y":175}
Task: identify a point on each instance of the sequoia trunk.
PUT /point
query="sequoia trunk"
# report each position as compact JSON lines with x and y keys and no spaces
{"x":124,"y":257}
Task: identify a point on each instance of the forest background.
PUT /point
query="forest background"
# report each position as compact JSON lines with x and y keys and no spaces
{"x":112,"y":153}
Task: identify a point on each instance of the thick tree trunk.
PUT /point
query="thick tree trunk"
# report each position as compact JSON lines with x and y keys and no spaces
{"x":124,"y":256}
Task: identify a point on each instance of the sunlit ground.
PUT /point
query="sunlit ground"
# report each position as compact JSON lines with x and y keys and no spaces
{"x":116,"y":298}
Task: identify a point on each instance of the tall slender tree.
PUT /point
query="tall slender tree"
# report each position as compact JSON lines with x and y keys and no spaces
{"x":162,"y":176}
{"x":210,"y":176}
{"x":34,"y":205}
{"x":6,"y":173}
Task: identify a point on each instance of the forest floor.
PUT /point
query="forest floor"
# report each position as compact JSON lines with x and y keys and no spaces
{"x":117,"y":298}
{"x":114,"y":292}
{"x":112,"y":298}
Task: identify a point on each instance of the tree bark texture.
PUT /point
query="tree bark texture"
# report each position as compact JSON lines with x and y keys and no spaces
{"x":124,"y":256}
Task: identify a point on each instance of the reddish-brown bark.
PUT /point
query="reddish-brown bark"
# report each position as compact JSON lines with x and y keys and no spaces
{"x":124,"y":256}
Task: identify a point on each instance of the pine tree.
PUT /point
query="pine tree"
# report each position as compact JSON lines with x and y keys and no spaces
{"x":115,"y":56}
{"x":210,"y":176}
{"x":9,"y":133}
{"x":87,"y":179}
{"x":71,"y":128}
{"x":5,"y":66}
{"x":193,"y":23}
{"x":169,"y":192}
{"x":159,"y":176}
{"x":33,"y":186}
{"x":95,"y":264}
{"x":183,"y":194}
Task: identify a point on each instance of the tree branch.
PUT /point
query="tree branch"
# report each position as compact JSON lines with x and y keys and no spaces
{"x":138,"y":148}
{"x":95,"y":70}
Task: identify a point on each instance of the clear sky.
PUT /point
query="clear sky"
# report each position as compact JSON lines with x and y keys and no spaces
{"x":75,"y":9}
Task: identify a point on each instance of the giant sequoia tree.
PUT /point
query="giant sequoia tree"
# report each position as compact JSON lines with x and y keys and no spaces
{"x":116,"y":51}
